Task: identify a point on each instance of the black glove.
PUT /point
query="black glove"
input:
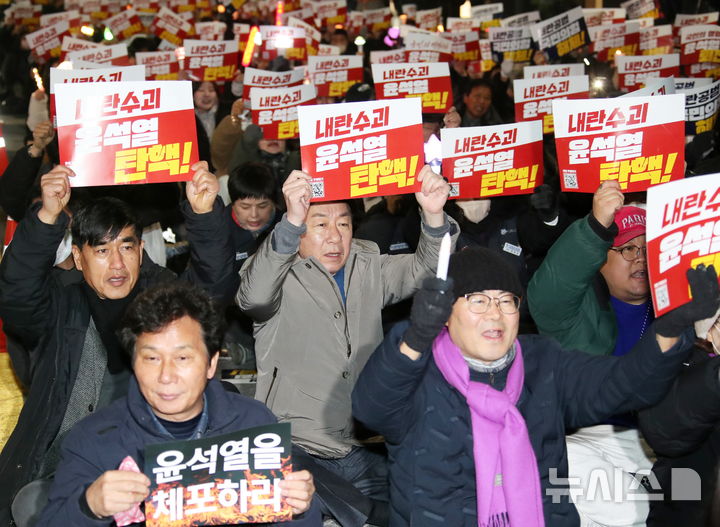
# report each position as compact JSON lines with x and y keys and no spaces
{"x":704,"y":304}
{"x":430,"y":310}
{"x":545,"y":202}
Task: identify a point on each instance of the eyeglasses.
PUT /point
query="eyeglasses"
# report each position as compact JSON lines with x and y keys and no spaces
{"x":630,"y":252}
{"x":479,"y":303}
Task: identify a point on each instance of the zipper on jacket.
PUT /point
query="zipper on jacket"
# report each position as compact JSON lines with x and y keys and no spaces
{"x":272,"y":383}
{"x":492,"y":379}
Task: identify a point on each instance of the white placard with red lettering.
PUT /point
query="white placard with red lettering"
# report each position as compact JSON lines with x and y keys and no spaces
{"x":159,"y":65}
{"x":465,"y":45}
{"x":554,"y":70}
{"x":430,"y":82}
{"x":561,"y":34}
{"x":125,"y":24}
{"x":638,"y":141}
{"x":603,"y":16}
{"x":635,"y":71}
{"x":333,"y":76}
{"x":699,"y":44}
{"x":378,"y":19}
{"x":312,"y":35}
{"x":285,"y":41}
{"x":655,"y":87}
{"x":656,"y":40}
{"x":330,"y":12}
{"x":126,"y":132}
{"x":115,"y":55}
{"x":76,"y":44}
{"x":393,"y":56}
{"x":46,"y":43}
{"x":255,"y":78}
{"x":682,"y":20}
{"x":682,"y":231}
{"x":533,"y":97}
{"x":210,"y":60}
{"x":641,"y":9}
{"x":171,"y":27}
{"x":327,"y":50}
{"x":427,"y":48}
{"x":486,"y":161}
{"x":275,"y":110}
{"x":461,"y":25}
{"x":72,"y":17}
{"x":362,"y":149}
{"x":511,"y":44}
{"x":523,"y":19}
{"x":609,"y":40}
{"x":213,"y":30}
{"x":429,"y":18}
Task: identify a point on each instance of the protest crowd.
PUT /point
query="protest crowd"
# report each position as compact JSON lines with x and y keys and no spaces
{"x":344,"y":263}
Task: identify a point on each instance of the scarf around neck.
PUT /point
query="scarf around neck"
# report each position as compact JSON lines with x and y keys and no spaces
{"x":506,"y":471}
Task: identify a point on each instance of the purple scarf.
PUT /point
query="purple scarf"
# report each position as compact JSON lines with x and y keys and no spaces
{"x":506,"y":472}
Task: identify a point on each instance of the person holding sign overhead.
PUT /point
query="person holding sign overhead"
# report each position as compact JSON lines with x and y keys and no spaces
{"x":315,"y":295}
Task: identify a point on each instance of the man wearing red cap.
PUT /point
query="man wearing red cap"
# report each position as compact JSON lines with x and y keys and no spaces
{"x":592,"y":294}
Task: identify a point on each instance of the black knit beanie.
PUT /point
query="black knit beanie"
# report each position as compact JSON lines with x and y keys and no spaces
{"x":477,"y":269}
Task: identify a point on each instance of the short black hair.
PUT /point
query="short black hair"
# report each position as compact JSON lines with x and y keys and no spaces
{"x":252,"y":180}
{"x":475,"y":83}
{"x":101,"y":220}
{"x":157,"y":307}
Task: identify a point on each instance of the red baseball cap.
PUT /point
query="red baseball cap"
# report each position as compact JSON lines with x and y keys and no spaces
{"x":631,"y":223}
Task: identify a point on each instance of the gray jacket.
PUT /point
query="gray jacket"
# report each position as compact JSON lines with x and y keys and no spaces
{"x":310,"y":348}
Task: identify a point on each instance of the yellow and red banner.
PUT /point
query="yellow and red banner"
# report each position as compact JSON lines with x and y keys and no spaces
{"x":312,"y":35}
{"x":429,"y":19}
{"x":465,"y":45}
{"x":46,"y":43}
{"x":656,"y":40}
{"x":362,"y":149}
{"x":486,"y":161}
{"x":330,"y":12}
{"x":159,"y":65}
{"x":72,"y":17}
{"x":621,"y":39}
{"x":635,"y":71}
{"x":171,"y":27}
{"x":285,"y":41}
{"x":638,"y":141}
{"x":683,"y":231}
{"x":275,"y":110}
{"x":641,"y":9}
{"x":127,"y":132}
{"x":699,"y":44}
{"x":116,"y":55}
{"x":255,"y":78}
{"x":683,"y":20}
{"x":213,"y":30}
{"x":210,"y":60}
{"x":333,"y":76}
{"x":428,"y":81}
{"x":603,"y":16}
{"x":534,"y":97}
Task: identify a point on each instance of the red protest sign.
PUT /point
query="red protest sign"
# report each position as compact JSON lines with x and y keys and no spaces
{"x":107,"y":55}
{"x":75,"y":44}
{"x":275,"y":110}
{"x":553,"y":70}
{"x":127,"y":132}
{"x":683,"y":20}
{"x":159,"y":65}
{"x":72,"y":17}
{"x":683,"y":231}
{"x":487,"y":161}
{"x":362,"y":149}
{"x":312,"y":35}
{"x":462,"y":25}
{"x":635,"y":71}
{"x":330,"y":12}
{"x":378,"y":19}
{"x":533,"y":97}
{"x":699,"y":44}
{"x":420,"y":47}
{"x":638,"y":141}
{"x":429,"y":18}
{"x":46,"y":43}
{"x":210,"y":60}
{"x":255,"y":78}
{"x":286,"y":41}
{"x":388,"y":57}
{"x":641,"y":9}
{"x":603,"y":16}
{"x":465,"y":45}
{"x":430,"y":82}
{"x":125,"y":24}
{"x":333,"y":76}
{"x":171,"y":27}
{"x":656,"y":40}
{"x":615,"y":39}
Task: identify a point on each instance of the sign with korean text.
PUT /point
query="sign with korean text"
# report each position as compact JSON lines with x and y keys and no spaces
{"x":72,"y":17}
{"x":159,"y":65}
{"x":486,"y":161}
{"x":210,"y":60}
{"x":682,"y":20}
{"x":327,"y":50}
{"x":46,"y":42}
{"x":465,"y":45}
{"x":635,"y":71}
{"x":213,"y":30}
{"x":115,"y":55}
{"x":523,"y":19}
{"x":683,"y":84}
{"x":533,"y":97}
{"x":622,"y":38}
{"x":429,"y":18}
{"x":638,"y":141}
{"x":171,"y":27}
{"x":603,"y":16}
{"x":255,"y":78}
{"x":561,"y":34}
{"x":330,"y":12}
{"x":511,"y":44}
{"x":312,"y":35}
{"x":275,"y":110}
{"x":427,"y":48}
{"x":654,"y":87}
{"x":125,"y":24}
{"x":430,"y":82}
{"x":490,"y":15}
{"x":378,"y":19}
{"x":656,"y":40}
{"x":393,"y":56}
{"x":683,"y":231}
{"x":460,"y":25}
{"x":362,"y":149}
{"x":286,"y":41}
{"x":553,"y":70}
{"x":699,"y":44}
{"x":222,"y":480}
{"x":126,"y":132}
{"x":641,"y":9}
{"x":701,"y":108}
{"x":146,"y":6}
{"x":702,"y":69}
{"x":333,"y":76}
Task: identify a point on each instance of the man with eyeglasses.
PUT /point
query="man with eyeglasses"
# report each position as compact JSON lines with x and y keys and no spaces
{"x":474,"y":416}
{"x":592,"y":294}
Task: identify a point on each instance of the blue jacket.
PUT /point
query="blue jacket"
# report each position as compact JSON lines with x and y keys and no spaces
{"x":426,"y":422}
{"x":102,"y":440}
